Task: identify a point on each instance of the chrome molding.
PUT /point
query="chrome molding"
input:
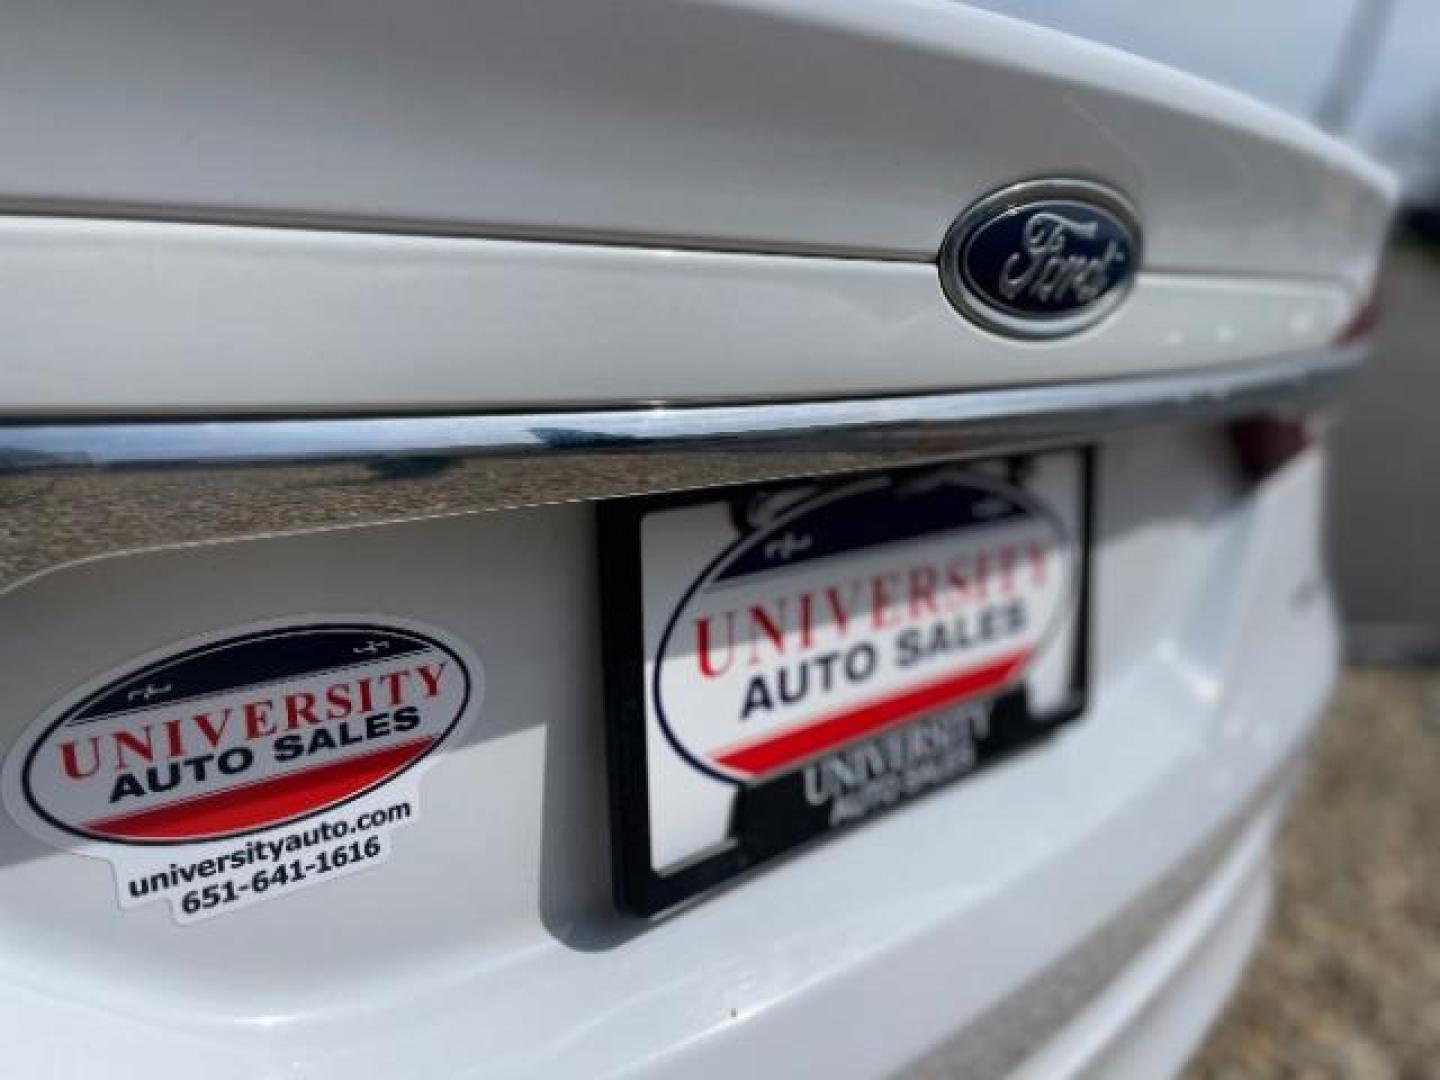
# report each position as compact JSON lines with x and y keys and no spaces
{"x":79,"y":489}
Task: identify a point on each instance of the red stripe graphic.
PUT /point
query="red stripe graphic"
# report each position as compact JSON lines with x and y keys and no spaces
{"x":264,"y":802}
{"x":777,"y":751}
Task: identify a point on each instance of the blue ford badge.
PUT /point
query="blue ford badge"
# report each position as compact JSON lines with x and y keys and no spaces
{"x":1042,"y":258}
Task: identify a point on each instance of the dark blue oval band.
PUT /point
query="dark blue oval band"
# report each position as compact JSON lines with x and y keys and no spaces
{"x":1043,"y":258}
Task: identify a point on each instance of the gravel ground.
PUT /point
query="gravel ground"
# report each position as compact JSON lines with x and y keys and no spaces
{"x":1347,"y":981}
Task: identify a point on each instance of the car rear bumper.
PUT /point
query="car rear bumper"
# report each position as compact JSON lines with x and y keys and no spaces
{"x":1087,"y":899}
{"x":1154,"y":1013}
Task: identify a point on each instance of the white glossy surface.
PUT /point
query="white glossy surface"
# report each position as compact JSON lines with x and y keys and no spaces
{"x":1150,"y":1019}
{"x":487,"y":946}
{"x":125,"y":317}
{"x":850,"y":126}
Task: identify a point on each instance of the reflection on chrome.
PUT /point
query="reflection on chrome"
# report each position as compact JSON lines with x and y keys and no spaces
{"x":74,"y":490}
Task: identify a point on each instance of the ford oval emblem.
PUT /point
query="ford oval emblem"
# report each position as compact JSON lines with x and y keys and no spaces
{"x":1042,"y":258}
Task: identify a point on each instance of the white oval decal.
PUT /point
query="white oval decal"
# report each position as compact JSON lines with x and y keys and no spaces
{"x":246,"y":733}
{"x":855,"y":611}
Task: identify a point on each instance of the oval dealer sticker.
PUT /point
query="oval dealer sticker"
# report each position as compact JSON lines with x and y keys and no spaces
{"x":811,"y":632}
{"x":240,"y":767}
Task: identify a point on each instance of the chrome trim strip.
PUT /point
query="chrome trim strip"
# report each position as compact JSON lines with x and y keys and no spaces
{"x":79,"y":489}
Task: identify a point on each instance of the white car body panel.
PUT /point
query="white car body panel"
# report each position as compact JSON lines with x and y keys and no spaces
{"x":486,"y":121}
{"x":838,"y":126}
{"x":487,"y":945}
{"x":261,"y":260}
{"x":217,"y":319}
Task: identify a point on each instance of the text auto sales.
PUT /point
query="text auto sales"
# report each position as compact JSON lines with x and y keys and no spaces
{"x":817,"y":634}
{"x":203,"y":746}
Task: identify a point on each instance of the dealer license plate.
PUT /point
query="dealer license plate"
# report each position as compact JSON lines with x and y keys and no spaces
{"x":789,"y":660}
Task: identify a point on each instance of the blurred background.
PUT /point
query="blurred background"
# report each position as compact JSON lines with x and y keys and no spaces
{"x":1347,"y":983}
